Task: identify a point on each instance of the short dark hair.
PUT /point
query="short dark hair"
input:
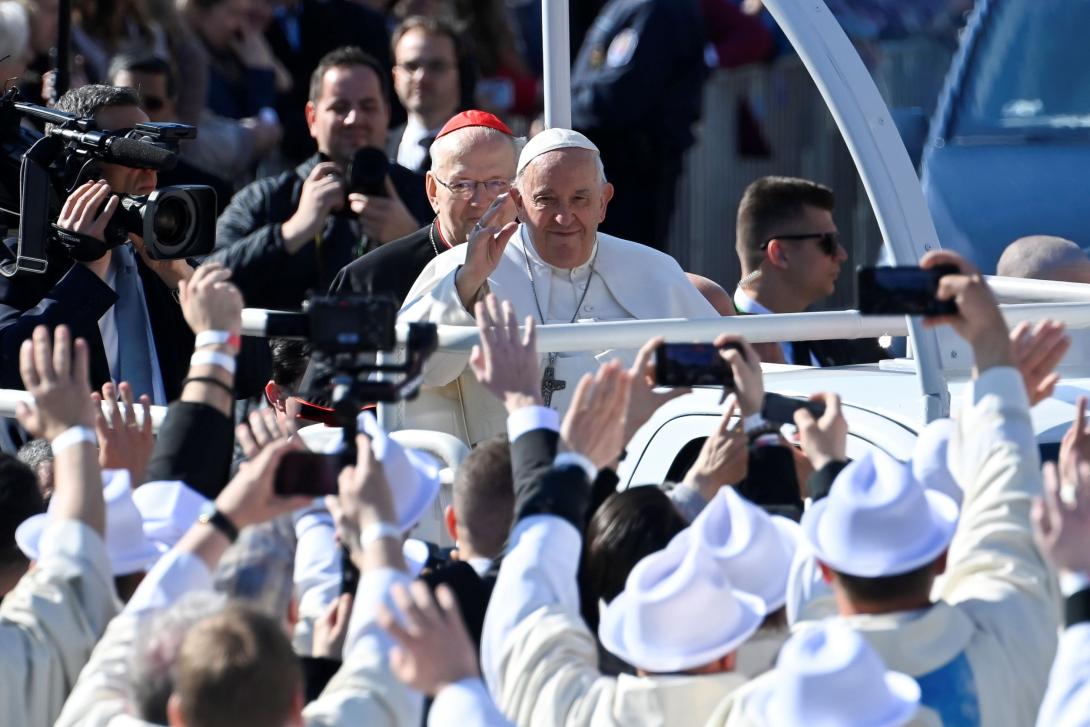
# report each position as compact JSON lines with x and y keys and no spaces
{"x":626,"y":528}
{"x":86,"y":101}
{"x":484,"y":496}
{"x":228,"y":659}
{"x":913,"y":584}
{"x":144,"y":63}
{"x":346,"y":57}
{"x":766,"y":204}
{"x":19,"y":499}
{"x":431,"y":26}
{"x":289,"y":360}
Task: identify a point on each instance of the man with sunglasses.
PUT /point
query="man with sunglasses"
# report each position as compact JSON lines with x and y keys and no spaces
{"x":791,"y":257}
{"x":473,"y":161}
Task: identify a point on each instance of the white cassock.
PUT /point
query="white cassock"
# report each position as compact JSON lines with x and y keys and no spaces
{"x":629,"y":281}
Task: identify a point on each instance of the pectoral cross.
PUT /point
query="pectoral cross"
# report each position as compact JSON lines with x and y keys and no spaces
{"x":549,"y":382}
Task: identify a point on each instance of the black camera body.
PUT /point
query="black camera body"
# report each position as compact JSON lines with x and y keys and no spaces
{"x":37,"y":173}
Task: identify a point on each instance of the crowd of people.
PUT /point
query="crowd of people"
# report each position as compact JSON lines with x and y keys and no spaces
{"x":186,"y":571}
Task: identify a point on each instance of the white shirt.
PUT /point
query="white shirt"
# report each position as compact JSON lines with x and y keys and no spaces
{"x":410,"y":152}
{"x":744,"y":303}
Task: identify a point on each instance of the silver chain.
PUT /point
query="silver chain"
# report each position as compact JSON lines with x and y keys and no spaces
{"x":583,"y":297}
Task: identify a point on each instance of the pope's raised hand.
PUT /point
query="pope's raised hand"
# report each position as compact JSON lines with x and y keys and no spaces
{"x":484,"y":249}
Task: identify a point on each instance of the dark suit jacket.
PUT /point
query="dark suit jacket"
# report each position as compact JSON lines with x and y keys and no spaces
{"x":69,"y":293}
{"x":324,"y":25}
{"x":390,"y":270}
{"x":844,"y":352}
{"x":248,"y":239}
{"x":471,"y":591}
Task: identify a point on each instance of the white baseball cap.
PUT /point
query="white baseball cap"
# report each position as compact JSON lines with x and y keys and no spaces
{"x":829,"y":676}
{"x":878,"y":520}
{"x":678,"y":610}
{"x":753,"y":548}
{"x":552,"y":140}
{"x":129,"y":549}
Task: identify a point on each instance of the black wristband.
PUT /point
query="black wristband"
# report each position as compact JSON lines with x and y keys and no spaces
{"x":211,"y":380}
{"x":220,"y":522}
{"x":1077,"y":608}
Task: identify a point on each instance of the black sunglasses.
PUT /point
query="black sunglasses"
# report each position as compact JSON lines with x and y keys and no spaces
{"x":828,"y":242}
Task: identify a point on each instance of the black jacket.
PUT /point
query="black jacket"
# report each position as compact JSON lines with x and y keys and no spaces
{"x":391,"y":269}
{"x":70,"y":294}
{"x":249,"y":242}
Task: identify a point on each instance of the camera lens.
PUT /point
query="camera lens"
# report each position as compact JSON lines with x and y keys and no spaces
{"x":172,"y":220}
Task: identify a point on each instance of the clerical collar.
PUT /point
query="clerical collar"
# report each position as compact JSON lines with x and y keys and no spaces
{"x":745,"y":304}
{"x":532,"y":253}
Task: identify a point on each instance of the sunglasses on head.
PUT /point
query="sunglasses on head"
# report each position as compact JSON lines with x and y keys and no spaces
{"x":828,"y":242}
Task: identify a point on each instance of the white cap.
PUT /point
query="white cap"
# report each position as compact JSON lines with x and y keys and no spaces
{"x":169,"y":509}
{"x":829,"y":675}
{"x":678,"y":611}
{"x":413,"y":476}
{"x":753,"y":548}
{"x":129,"y":549}
{"x":930,"y":463}
{"x":551,"y":140}
{"x":878,"y":520}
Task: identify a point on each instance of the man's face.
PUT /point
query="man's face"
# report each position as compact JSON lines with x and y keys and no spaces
{"x":562,"y":200}
{"x":153,"y":93}
{"x":466,"y":156}
{"x":426,"y":74}
{"x":222,"y":23}
{"x":125,"y":180}
{"x":350,"y":113}
{"x":810,"y":270}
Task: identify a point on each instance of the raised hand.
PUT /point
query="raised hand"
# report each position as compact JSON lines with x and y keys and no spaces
{"x":434,"y":648}
{"x":978,"y":319}
{"x":724,"y":458}
{"x":1061,"y":519}
{"x":323,"y":192}
{"x":823,"y":440}
{"x":484,"y":249}
{"x":644,"y":400}
{"x":331,"y":628}
{"x":261,"y":430}
{"x":210,"y":301}
{"x":124,"y":440}
{"x":749,"y":384}
{"x":55,"y":372}
{"x":1037,"y":351}
{"x":505,"y":361}
{"x":594,"y":424}
{"x":249,"y":498}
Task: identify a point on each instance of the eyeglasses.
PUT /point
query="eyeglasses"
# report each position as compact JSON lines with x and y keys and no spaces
{"x":828,"y":242}
{"x":436,"y":66}
{"x":465,"y":189}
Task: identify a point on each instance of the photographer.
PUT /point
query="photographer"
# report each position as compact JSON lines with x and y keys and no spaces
{"x":122,"y":303}
{"x":286,"y":235}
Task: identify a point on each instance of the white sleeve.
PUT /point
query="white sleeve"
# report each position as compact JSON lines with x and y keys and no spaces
{"x":1067,"y":700}
{"x":539,"y":570}
{"x":465,"y":703}
{"x":441,"y":305}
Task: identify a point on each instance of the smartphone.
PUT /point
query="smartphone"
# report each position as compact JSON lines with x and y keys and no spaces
{"x":308,"y":473}
{"x":693,"y":364}
{"x":903,"y":291}
{"x":781,"y":409}
{"x":366,"y":172}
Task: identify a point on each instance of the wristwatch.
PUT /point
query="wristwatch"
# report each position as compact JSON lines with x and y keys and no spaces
{"x":211,"y":516}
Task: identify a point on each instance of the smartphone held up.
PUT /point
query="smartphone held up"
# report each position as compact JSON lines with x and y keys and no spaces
{"x":693,"y":364}
{"x":903,"y":290}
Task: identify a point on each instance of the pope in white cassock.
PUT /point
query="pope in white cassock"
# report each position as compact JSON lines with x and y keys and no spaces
{"x":554,"y":266}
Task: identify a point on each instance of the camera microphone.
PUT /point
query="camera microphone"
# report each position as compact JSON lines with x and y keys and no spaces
{"x":120,"y":150}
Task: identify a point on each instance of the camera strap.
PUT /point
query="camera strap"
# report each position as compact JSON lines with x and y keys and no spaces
{"x":83,"y":248}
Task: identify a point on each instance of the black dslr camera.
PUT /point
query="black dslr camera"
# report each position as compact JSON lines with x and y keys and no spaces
{"x":37,"y":173}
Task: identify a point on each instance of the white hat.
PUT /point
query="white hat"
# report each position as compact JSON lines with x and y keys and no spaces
{"x":169,"y":509}
{"x":878,"y":520}
{"x":129,"y":550}
{"x":930,"y":464}
{"x":809,"y":597}
{"x":678,"y":610}
{"x":416,"y":555}
{"x":829,"y":676}
{"x":413,"y":476}
{"x":551,"y":140}
{"x":753,"y":548}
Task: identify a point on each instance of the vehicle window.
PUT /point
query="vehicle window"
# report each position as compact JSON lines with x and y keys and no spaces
{"x":1024,"y":78}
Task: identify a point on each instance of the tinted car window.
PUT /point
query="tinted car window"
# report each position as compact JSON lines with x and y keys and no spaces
{"x":1028,"y":72}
